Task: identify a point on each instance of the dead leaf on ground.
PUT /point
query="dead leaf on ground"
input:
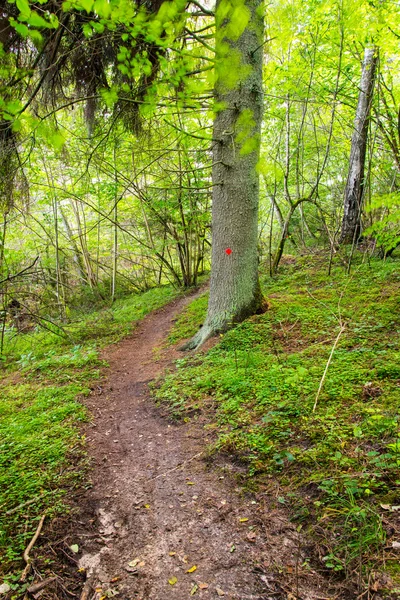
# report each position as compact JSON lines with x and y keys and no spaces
{"x":380,"y":581}
{"x":134,"y":562}
{"x":396,"y":545}
{"x":390,"y":507}
{"x":243,"y":520}
{"x":219,"y":591}
{"x":194,"y":589}
{"x":172,"y":553}
{"x":173,"y":581}
{"x":192,"y":569}
{"x":203,"y":586}
{"x":251,"y":536}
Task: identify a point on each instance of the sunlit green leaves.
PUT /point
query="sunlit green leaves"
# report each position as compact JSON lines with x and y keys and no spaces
{"x":110,"y":96}
{"x":102,"y":8}
{"x":24,"y":9}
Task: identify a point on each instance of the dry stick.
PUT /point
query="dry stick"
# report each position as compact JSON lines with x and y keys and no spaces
{"x":327,"y":366}
{"x":87,"y":589}
{"x":36,"y":587}
{"x":27,"y":558}
{"x":23,"y":504}
{"x":185,"y":462}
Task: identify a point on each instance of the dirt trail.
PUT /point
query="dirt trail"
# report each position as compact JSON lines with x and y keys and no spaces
{"x":158,"y":511}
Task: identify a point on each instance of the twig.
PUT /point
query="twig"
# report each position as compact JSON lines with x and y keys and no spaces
{"x":31,"y":501}
{"x":59,"y":582}
{"x":11,"y":277}
{"x":327,"y":366}
{"x":27,"y":558}
{"x":185,"y":462}
{"x":87,"y":588}
{"x":36,"y":587}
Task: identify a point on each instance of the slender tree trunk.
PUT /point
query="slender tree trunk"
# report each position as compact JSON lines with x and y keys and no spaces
{"x":77,"y":254}
{"x":285,"y":234}
{"x":2,"y":274}
{"x":115,"y":231}
{"x":353,"y":196}
{"x":89,"y":275}
{"x":115,"y":253}
{"x":59,"y":284}
{"x":234,"y":287}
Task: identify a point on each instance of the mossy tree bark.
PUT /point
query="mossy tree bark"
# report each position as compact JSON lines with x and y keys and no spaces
{"x":234,"y":287}
{"x":353,"y":196}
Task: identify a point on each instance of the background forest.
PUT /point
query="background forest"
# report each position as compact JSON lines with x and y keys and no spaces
{"x":106,"y":187}
{"x":104,"y":193}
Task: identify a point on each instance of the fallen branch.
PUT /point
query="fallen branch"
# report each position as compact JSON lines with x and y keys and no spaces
{"x":27,"y":558}
{"x":36,"y":587}
{"x":327,"y":365}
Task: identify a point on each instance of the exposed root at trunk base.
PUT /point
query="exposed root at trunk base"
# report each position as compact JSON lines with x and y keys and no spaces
{"x":204,"y":334}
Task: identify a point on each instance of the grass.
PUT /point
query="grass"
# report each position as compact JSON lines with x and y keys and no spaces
{"x":189,"y":321}
{"x":337,"y":465}
{"x":42,"y":457}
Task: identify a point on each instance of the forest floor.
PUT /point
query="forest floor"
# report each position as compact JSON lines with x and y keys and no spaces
{"x":165,"y":525}
{"x":164,"y":475}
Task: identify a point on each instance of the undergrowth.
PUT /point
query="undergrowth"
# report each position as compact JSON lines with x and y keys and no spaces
{"x":42,"y":456}
{"x":339,"y":465}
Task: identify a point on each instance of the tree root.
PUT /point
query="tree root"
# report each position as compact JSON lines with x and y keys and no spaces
{"x":27,"y":558}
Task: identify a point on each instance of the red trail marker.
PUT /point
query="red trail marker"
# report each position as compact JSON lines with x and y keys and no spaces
{"x":228,"y":251}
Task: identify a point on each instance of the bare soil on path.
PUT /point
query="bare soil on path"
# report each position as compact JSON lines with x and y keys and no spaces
{"x":161,"y":524}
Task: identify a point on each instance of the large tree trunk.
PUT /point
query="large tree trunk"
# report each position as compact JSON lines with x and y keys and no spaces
{"x":353,"y":196}
{"x":234,"y":288}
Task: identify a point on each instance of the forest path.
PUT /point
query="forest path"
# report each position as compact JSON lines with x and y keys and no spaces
{"x":156,"y":511}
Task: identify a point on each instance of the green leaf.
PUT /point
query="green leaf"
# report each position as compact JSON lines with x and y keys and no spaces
{"x":17,"y":124}
{"x":110,"y":96}
{"x":21,"y":29}
{"x":87,"y":30}
{"x":53,"y":21}
{"x":98,"y":27}
{"x":23,"y":7}
{"x":57,"y":140}
{"x":13,"y":107}
{"x":35,"y":36}
{"x":102,"y":8}
{"x":35,"y":20}
{"x":85,"y":5}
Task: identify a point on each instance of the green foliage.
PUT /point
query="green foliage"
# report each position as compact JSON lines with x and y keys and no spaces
{"x":38,"y":431}
{"x":259,"y":384}
{"x":386,"y":230}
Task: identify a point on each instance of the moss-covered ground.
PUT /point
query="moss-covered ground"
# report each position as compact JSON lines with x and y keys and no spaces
{"x":336,"y":466}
